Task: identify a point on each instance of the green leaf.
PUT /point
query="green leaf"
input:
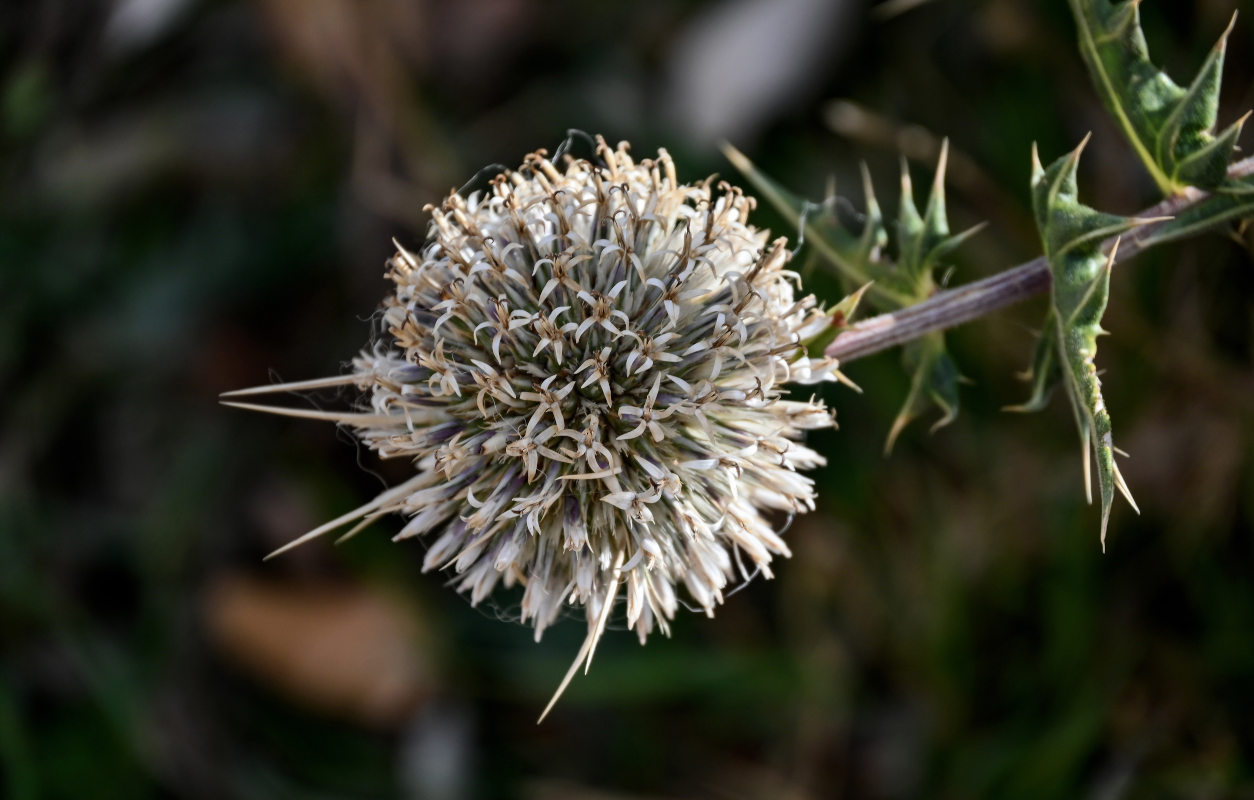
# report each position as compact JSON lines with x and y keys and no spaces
{"x":857,"y":255}
{"x":1170,"y":126}
{"x":856,"y":245}
{"x":924,"y":239}
{"x":934,"y":379}
{"x":1045,"y":373}
{"x":1072,"y":235}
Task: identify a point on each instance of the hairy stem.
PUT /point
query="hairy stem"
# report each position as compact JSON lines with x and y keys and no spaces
{"x":1185,"y":214}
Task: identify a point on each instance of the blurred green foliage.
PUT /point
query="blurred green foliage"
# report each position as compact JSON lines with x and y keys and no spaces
{"x":195,"y":193}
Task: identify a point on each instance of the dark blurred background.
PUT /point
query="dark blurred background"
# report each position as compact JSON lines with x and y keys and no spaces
{"x":199,"y":195}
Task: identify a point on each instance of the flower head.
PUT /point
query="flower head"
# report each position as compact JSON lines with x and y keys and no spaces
{"x":585,"y":364}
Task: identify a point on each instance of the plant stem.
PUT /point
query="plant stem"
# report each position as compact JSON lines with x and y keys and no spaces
{"x":1188,"y":212}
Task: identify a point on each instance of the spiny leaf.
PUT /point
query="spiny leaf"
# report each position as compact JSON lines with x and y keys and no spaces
{"x":1072,"y":234}
{"x":923,"y":240}
{"x":1045,"y":372}
{"x":1170,"y":126}
{"x":856,"y":254}
{"x":856,"y":246}
{"x":934,"y":378}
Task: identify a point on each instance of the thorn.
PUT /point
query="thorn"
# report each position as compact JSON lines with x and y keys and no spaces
{"x":379,"y":501}
{"x":868,"y":189}
{"x":1234,"y":131}
{"x":950,"y":415}
{"x":1074,"y":155}
{"x":848,"y":306}
{"x":843,"y":378}
{"x":738,"y":159}
{"x":899,"y":424}
{"x":1125,"y":491}
{"x":1136,"y":222}
{"x":359,"y":527}
{"x":590,"y":642}
{"x":1037,"y":168}
{"x":1110,"y":257}
{"x":321,"y":529}
{"x":1088,"y":472}
{"x":610,"y":594}
{"x":1223,"y":37}
{"x":293,"y":386}
{"x":345,"y":417}
{"x":942,"y":162}
{"x":405,"y":254}
{"x":570,"y":673}
{"x":959,"y":238}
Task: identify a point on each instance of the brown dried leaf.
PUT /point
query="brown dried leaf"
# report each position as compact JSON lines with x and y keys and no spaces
{"x":348,"y":651}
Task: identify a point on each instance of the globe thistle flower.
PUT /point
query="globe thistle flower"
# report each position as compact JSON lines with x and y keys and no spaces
{"x":586,"y":367}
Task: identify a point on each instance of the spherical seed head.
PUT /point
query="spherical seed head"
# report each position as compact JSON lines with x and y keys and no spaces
{"x":586,"y":366}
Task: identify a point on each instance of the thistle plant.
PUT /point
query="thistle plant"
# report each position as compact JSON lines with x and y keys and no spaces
{"x":588,"y":364}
